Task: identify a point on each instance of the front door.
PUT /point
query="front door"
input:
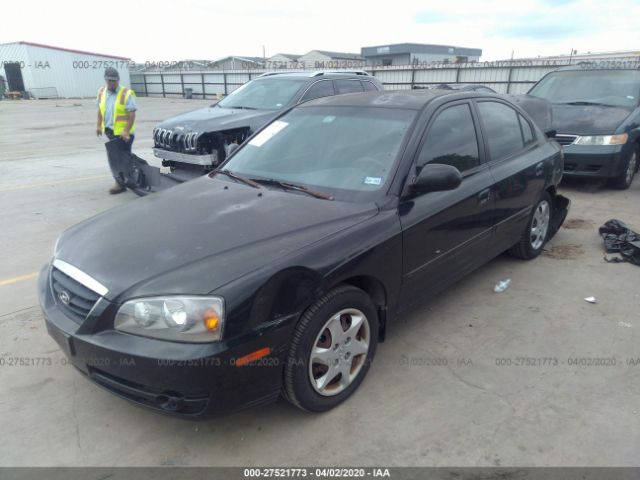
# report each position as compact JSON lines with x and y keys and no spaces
{"x":446,"y":234}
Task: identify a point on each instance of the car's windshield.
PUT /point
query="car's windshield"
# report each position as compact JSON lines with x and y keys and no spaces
{"x":618,"y":88}
{"x":264,"y":94}
{"x":342,"y":150}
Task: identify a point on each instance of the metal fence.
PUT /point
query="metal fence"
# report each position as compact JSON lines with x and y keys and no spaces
{"x":513,"y":76}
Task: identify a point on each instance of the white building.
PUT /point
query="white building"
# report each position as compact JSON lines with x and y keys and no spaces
{"x":321,"y":59}
{"x":234,"y":62}
{"x":283,"y":60}
{"x":52,"y":72}
{"x":418,"y":53}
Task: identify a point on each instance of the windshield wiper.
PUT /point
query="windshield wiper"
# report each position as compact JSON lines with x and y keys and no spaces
{"x":244,"y":108}
{"x":585,"y":103}
{"x":229,"y":173}
{"x":293,"y":186}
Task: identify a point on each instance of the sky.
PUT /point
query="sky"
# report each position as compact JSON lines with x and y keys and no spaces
{"x":163,"y":30}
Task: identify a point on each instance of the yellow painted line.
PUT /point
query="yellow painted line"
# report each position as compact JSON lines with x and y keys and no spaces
{"x":50,"y":184}
{"x":21,"y":278}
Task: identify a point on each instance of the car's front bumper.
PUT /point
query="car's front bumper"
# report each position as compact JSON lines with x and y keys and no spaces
{"x":597,"y":161}
{"x":177,"y":378}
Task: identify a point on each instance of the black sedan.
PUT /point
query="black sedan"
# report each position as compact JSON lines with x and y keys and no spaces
{"x":279,"y":272}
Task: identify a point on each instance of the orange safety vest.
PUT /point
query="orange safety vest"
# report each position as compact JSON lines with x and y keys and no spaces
{"x":120,"y":114}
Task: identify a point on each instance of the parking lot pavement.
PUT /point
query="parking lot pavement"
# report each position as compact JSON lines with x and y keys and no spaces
{"x":531,"y":376}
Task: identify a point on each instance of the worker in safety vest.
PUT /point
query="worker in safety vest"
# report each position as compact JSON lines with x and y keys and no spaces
{"x":116,"y":114}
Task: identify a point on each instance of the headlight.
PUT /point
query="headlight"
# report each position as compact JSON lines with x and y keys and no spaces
{"x":184,"y":319}
{"x":602,"y":139}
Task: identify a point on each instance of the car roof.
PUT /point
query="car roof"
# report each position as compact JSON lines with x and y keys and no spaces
{"x":409,"y":99}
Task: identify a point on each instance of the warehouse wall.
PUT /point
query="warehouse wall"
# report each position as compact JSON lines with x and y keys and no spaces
{"x":69,"y":74}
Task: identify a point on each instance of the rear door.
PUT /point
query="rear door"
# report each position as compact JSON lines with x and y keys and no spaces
{"x":516,"y":165}
{"x":446,"y":234}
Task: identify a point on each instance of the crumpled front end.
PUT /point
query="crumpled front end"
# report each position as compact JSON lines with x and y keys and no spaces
{"x":561,"y":207}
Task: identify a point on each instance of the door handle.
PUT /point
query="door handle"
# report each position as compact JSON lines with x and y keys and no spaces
{"x":483,"y":196}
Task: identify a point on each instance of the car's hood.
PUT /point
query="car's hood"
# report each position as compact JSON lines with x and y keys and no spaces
{"x":200,"y":235}
{"x":216,"y":118}
{"x":587,"y":119}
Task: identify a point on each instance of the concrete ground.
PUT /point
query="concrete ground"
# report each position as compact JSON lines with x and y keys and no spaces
{"x":441,"y":391}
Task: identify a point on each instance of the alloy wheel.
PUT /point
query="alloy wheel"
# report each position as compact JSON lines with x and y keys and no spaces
{"x":540,"y":224}
{"x":339,"y":352}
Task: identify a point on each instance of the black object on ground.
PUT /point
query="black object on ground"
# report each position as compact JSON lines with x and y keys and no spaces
{"x":619,"y":238}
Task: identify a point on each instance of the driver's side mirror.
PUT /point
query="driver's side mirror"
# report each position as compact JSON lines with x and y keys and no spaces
{"x":436,"y":177}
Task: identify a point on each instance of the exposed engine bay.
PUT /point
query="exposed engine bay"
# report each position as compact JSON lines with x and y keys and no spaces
{"x":206,"y":149}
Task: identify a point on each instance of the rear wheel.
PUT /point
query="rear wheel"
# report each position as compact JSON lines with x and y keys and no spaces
{"x":536,"y":232}
{"x":331,"y":350}
{"x":623,"y":181}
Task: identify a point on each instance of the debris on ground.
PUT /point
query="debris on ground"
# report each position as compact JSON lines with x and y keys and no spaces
{"x":577,"y":223}
{"x":619,"y":238}
{"x":502,"y":285}
{"x":591,"y":299}
{"x":563,"y":252}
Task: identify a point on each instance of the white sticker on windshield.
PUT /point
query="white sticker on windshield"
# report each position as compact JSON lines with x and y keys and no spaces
{"x":267,"y":133}
{"x":328,"y":119}
{"x":372,"y":180}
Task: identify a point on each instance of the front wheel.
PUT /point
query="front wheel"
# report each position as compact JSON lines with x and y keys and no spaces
{"x":536,"y":232}
{"x":623,"y":181}
{"x":331,"y":350}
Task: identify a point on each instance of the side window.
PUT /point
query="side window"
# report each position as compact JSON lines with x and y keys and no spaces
{"x":527,"y":133}
{"x":348,"y":86}
{"x":323,"y":88}
{"x":451,"y":140}
{"x":369,"y":86}
{"x":502,"y":129}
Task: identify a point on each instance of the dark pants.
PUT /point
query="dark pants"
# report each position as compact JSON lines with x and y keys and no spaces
{"x":109,"y":133}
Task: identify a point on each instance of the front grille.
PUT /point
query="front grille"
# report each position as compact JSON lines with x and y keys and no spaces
{"x":173,"y":141}
{"x":564,"y":139}
{"x":73,"y":298}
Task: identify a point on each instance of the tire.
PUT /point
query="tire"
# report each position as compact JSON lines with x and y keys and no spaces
{"x":624,"y":180}
{"x":536,"y":233}
{"x":309,"y":382}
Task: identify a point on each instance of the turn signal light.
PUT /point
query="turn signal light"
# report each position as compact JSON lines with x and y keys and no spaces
{"x":211,"y":320}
